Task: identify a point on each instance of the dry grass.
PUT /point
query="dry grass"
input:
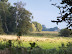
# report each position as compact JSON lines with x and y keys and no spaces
{"x":27,"y":38}
{"x":44,"y":42}
{"x":13,"y":37}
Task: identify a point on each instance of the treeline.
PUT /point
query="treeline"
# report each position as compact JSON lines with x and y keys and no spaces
{"x":16,"y":19}
{"x":50,"y":29}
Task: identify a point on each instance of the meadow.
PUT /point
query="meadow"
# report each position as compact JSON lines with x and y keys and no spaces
{"x":44,"y":41}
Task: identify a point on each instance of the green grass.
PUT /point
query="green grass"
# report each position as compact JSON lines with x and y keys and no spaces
{"x":45,"y":40}
{"x":48,"y":42}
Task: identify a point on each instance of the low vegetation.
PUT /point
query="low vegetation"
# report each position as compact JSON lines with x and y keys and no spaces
{"x":35,"y":43}
{"x":65,"y":32}
{"x":42,"y":45}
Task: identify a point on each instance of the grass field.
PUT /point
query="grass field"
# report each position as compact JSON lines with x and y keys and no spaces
{"x":48,"y":41}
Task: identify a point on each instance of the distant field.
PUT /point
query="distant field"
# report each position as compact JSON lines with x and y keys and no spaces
{"x":53,"y":32}
{"x":44,"y":34}
{"x":32,"y":35}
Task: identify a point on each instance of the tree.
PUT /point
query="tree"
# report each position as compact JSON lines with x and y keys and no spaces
{"x":65,"y":32}
{"x":44,"y":28}
{"x":1,"y":29}
{"x":38,"y":26}
{"x":14,"y":19}
{"x":7,"y":13}
{"x":11,"y":19}
{"x":23,"y":18}
{"x":3,"y":13}
{"x":33,"y":28}
{"x":66,"y":13}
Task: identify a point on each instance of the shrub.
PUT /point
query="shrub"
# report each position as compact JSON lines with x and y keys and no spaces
{"x":64,"y":32}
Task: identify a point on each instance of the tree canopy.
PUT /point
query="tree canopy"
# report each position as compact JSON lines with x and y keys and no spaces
{"x":14,"y":18}
{"x":38,"y":26}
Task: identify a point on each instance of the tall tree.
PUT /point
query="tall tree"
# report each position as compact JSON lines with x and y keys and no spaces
{"x":23,"y":18}
{"x":14,"y":18}
{"x":11,"y":19}
{"x":3,"y":14}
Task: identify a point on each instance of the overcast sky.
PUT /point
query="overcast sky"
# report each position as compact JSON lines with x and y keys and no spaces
{"x":43,"y":11}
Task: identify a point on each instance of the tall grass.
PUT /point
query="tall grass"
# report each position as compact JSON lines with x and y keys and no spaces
{"x":46,"y":43}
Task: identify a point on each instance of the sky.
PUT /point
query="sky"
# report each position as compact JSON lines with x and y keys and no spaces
{"x":43,"y":12}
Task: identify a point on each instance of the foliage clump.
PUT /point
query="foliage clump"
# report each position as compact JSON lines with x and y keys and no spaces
{"x":14,"y":18}
{"x":65,"y":32}
{"x":38,"y":26}
{"x":33,"y":28}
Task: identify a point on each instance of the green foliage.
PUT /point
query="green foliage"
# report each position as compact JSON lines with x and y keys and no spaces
{"x":19,"y":33}
{"x":14,"y":18}
{"x":32,"y":45}
{"x":71,"y":32}
{"x":33,"y":28}
{"x":38,"y":26}
{"x":42,"y":35}
{"x":1,"y":29}
{"x":17,"y":47}
{"x":3,"y":14}
{"x":23,"y":19}
{"x":63,"y":49}
{"x":65,"y":32}
{"x":4,"y":0}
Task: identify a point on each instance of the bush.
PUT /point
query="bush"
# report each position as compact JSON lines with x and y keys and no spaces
{"x":65,"y":32}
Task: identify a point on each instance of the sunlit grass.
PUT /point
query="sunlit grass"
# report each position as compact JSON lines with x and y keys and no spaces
{"x":46,"y":42}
